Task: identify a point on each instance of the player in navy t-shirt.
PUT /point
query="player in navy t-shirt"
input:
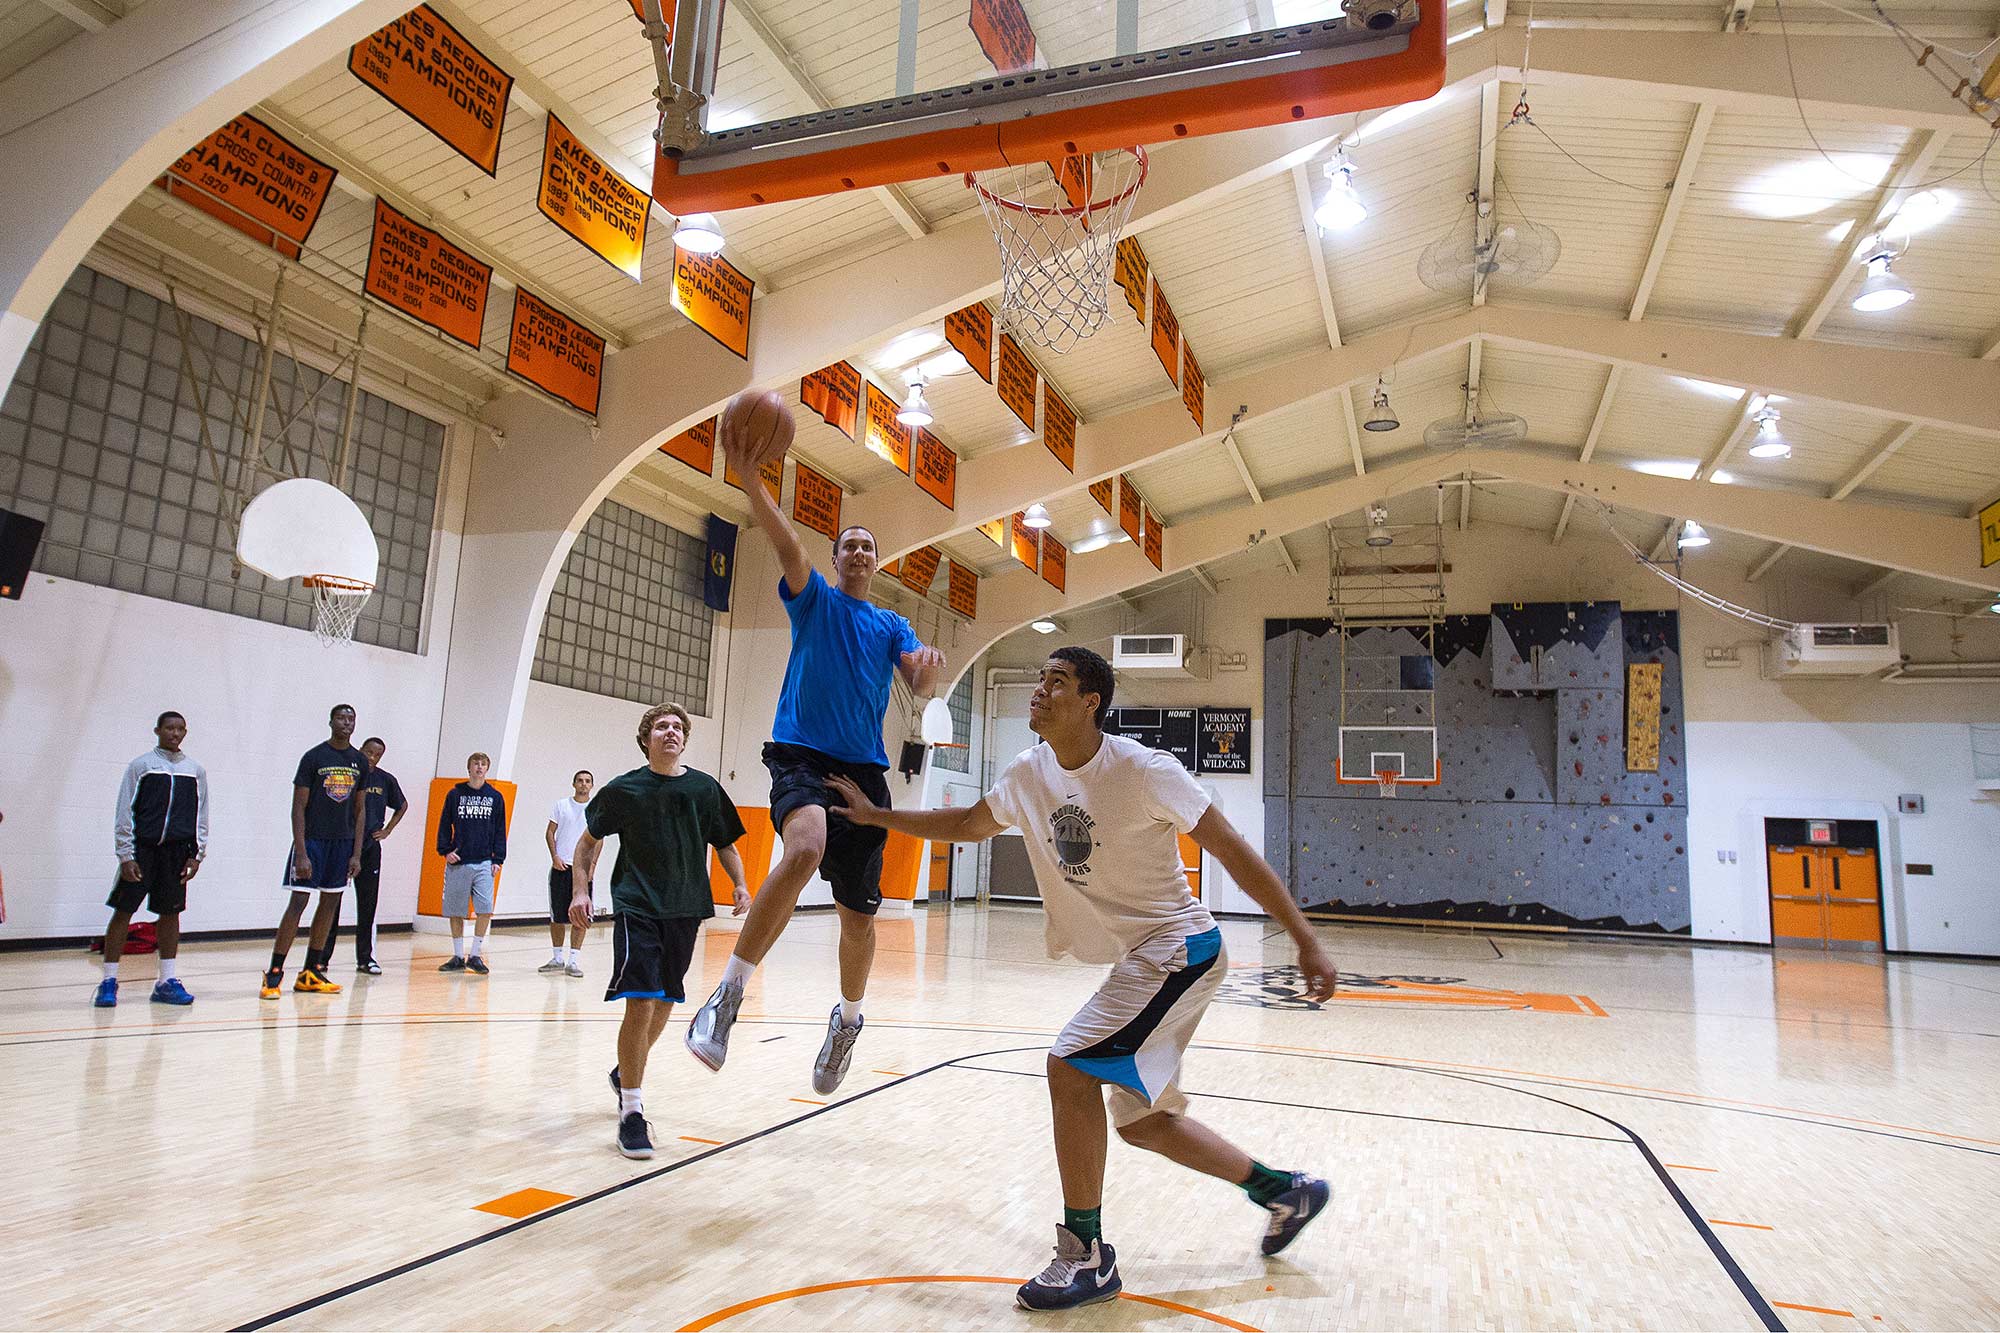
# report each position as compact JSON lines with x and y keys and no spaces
{"x":845,"y":650}
{"x":329,"y":822}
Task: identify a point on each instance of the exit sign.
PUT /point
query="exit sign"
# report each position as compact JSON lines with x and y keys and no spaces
{"x":1819,"y":830}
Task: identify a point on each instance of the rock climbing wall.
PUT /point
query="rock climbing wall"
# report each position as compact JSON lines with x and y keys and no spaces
{"x":1535,"y":820}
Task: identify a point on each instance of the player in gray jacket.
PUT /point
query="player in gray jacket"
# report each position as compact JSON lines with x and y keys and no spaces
{"x":161,"y":836}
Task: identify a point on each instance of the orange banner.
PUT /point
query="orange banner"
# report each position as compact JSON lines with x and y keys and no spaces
{"x":252,"y":178}
{"x":893,"y":568}
{"x":1059,"y":427}
{"x":996,"y":531}
{"x":1166,"y":334}
{"x":1075,"y":172}
{"x":1155,"y":537}
{"x":590,"y":201}
{"x":1194,"y":387}
{"x":772,"y":471}
{"x":1004,"y":34}
{"x":1130,"y":508}
{"x":1104,"y":493}
{"x":962,"y":591}
{"x":1130,"y":274}
{"x":971,"y":331}
{"x":919,"y":568}
{"x":834,"y":393}
{"x":433,"y":75}
{"x":816,"y":501}
{"x":554,"y":353}
{"x":886,"y":437}
{"x":936,"y":469}
{"x":1055,"y":561}
{"x":426,"y":277}
{"x":1018,"y":381}
{"x":695,"y":446}
{"x":715,"y":296}
{"x":1027,"y":542}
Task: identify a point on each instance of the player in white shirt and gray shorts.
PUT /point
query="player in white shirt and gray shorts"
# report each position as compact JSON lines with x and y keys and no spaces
{"x":1101,"y":817}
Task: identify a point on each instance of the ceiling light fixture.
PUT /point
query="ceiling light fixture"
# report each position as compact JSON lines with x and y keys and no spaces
{"x":698,"y":233}
{"x":1378,"y":527}
{"x":1035,"y":515}
{"x":1769,"y":443}
{"x":1341,"y":208}
{"x":1692,"y":534}
{"x":1098,"y":542}
{"x":910,"y":345}
{"x":1044,"y":626}
{"x":1881,"y":290}
{"x":916,"y":412}
{"x":1381,"y":416}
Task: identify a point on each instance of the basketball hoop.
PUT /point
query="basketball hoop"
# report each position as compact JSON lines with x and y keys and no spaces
{"x":1057,"y":226}
{"x":337,"y":604}
{"x":1385,"y":782}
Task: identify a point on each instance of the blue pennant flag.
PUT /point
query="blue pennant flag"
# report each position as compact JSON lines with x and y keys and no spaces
{"x":721,"y":571}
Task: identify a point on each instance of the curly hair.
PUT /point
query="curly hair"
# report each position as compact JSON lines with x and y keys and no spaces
{"x":655,"y":713}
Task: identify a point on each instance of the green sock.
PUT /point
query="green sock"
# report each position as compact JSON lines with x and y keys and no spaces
{"x":1265,"y":1184}
{"x":1087,"y":1224}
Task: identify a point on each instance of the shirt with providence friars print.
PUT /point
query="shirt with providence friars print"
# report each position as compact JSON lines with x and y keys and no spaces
{"x":473,"y":823}
{"x":332,"y":776}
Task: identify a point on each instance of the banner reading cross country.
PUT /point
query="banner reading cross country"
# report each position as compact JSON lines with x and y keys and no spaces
{"x":715,"y":296}
{"x":254,"y":179}
{"x":420,"y":273}
{"x":554,"y":353}
{"x":598,"y":207}
{"x":431,"y":73}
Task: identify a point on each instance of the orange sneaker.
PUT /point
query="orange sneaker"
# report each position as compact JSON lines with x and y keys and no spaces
{"x":271,"y":987}
{"x":310,"y":979}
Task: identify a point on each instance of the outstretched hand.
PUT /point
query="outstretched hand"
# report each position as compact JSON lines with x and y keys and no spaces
{"x":922,"y":657}
{"x":855,"y":804}
{"x":1316,"y":965}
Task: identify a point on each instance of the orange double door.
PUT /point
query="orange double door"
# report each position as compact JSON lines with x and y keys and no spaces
{"x":1828,"y":896}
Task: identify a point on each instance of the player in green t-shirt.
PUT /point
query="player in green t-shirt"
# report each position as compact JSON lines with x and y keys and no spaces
{"x":666,"y":816}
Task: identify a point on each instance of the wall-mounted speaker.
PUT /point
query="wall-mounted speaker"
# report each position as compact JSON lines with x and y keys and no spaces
{"x":19,"y":536}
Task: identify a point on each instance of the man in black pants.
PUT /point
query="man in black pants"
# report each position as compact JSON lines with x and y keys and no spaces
{"x":383,"y":794}
{"x":161,"y":835}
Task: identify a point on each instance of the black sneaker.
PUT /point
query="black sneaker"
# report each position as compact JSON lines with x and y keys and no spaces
{"x":452,"y":964}
{"x":476,"y":964}
{"x":633,"y":1140}
{"x":1079,"y":1275}
{"x":1292,"y":1210}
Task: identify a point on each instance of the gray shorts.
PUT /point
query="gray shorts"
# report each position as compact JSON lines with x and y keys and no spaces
{"x":468,"y":885}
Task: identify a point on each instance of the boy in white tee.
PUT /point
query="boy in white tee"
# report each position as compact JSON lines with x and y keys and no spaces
{"x":565,"y":827}
{"x":1100,"y":815}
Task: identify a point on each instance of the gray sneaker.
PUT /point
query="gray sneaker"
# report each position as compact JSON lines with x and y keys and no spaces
{"x":575,"y":969}
{"x":708,"y":1035}
{"x":553,"y":965}
{"x":834,"y":1053}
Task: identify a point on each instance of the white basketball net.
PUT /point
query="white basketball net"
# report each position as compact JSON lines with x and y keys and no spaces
{"x":337,"y":604}
{"x":1058,"y":241}
{"x":1385,"y":783}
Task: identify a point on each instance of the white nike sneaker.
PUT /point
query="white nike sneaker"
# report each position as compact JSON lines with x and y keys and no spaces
{"x":708,"y":1035}
{"x":834,"y":1053}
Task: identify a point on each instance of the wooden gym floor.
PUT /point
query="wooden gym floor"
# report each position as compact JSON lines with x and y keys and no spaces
{"x":1522,"y":1133}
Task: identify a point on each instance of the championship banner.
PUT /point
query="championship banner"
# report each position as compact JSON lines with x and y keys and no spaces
{"x":919,"y":568}
{"x":1002,"y":30}
{"x":996,"y":531}
{"x":1074,"y":173}
{"x":935,"y":469}
{"x":1027,"y":542}
{"x":893,"y":568}
{"x":834,"y":393}
{"x":554,"y":353}
{"x":1989,"y":535}
{"x":1055,"y":561}
{"x":249,"y":176}
{"x":886,"y":437}
{"x":1166,"y":335}
{"x":772,"y":471}
{"x":695,"y":446}
{"x":816,"y":501}
{"x":590,"y":201}
{"x":715,"y":296}
{"x":717,"y":579}
{"x":970,"y":331}
{"x":1059,"y":428}
{"x":427,"y":69}
{"x":1018,"y":380}
{"x":1129,"y":508}
{"x":1194,"y":387}
{"x":1130,"y":274}
{"x":1156,"y":532}
{"x":962,"y":591}
{"x":1102,"y":492}
{"x":426,"y":277}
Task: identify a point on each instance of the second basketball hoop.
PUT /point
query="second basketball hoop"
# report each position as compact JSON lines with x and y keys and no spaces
{"x":1057,"y":225}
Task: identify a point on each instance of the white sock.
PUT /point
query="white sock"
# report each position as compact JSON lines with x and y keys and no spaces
{"x":850,"y":1012}
{"x":169,"y":968}
{"x":478,"y":945}
{"x":575,"y":954}
{"x":560,"y":955}
{"x":111,"y":971}
{"x":628,"y":1101}
{"x":737,"y":972}
{"x":458,"y":946}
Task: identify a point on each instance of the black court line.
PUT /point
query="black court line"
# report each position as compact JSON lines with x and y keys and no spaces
{"x":779,"y":1037}
{"x":1496,"y":948}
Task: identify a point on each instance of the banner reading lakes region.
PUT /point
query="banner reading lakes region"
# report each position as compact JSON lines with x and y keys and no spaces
{"x":554,"y":353}
{"x":426,"y":277}
{"x":695,"y":446}
{"x":919,"y":568}
{"x":886,"y":437}
{"x":962,"y":591}
{"x":970,"y":332}
{"x":715,"y":296}
{"x":590,"y":201}
{"x":251,"y":177}
{"x":432,"y":74}
{"x":935,"y":468}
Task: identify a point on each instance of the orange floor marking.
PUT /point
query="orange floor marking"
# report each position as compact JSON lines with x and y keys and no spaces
{"x":1815,"y":1309}
{"x":892,"y":1073}
{"x":1753,"y":1226}
{"x":1676,"y":1166}
{"x":523,"y":1203}
{"x":730,"y":1312}
{"x":689,"y":1138}
{"x":808,"y":1101}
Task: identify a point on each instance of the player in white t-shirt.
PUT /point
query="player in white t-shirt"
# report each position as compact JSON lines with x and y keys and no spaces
{"x":565,"y":827}
{"x":1100,"y":816}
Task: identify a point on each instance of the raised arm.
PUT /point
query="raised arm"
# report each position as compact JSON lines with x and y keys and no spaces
{"x":975,"y":823}
{"x":753,"y":428}
{"x":1253,"y":874}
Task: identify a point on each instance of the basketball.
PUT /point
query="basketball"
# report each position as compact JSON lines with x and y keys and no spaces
{"x":762,"y":421}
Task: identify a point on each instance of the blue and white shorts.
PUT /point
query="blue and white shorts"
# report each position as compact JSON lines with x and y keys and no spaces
{"x":1134,"y":1031}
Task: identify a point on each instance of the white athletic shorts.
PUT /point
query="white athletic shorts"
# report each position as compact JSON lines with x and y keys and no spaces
{"x":1134,"y":1031}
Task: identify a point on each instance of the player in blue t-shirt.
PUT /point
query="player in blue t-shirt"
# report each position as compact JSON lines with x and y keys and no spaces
{"x":836,"y":690}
